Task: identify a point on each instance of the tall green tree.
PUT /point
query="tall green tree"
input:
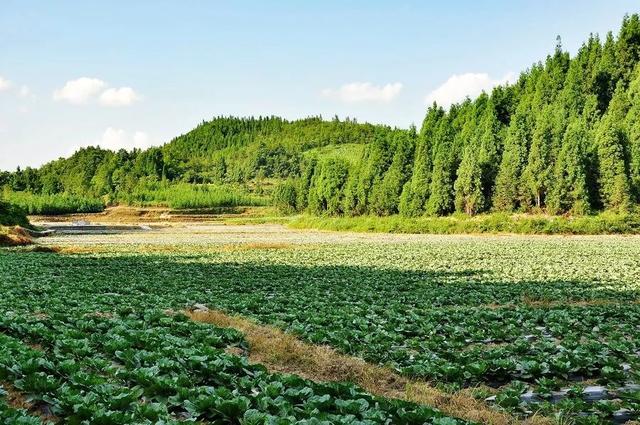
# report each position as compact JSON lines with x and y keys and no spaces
{"x":537,"y":173}
{"x":507,"y":195}
{"x":441,"y":191}
{"x":386,"y":196}
{"x":613,"y":155}
{"x":468,"y":185}
{"x":570,"y":191}
{"x":415,"y":192}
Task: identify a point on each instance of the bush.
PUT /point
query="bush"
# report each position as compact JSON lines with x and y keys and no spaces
{"x":191,"y":196}
{"x":285,"y":197}
{"x":60,"y":203}
{"x":12,"y":215}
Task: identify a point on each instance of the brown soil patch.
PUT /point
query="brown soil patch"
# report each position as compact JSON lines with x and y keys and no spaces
{"x":14,"y":398}
{"x":18,"y":401}
{"x":281,"y":352}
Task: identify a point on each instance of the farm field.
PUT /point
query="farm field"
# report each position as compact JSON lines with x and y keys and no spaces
{"x":533,"y":327}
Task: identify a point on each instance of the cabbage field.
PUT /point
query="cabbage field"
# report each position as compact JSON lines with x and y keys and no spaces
{"x":532,"y":326}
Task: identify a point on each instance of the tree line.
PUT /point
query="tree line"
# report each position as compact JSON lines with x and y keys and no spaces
{"x":223,"y":150}
{"x":564,"y":138}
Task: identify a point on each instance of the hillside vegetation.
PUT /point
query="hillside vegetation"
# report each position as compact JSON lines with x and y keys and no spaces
{"x":12,"y":222}
{"x":563,"y":139}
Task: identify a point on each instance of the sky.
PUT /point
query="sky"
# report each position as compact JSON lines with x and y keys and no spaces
{"x":126,"y":74}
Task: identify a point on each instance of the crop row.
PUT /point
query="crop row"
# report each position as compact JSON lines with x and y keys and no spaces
{"x":151,"y":367}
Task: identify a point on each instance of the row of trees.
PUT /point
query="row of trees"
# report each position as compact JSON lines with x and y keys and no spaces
{"x":564,"y":139}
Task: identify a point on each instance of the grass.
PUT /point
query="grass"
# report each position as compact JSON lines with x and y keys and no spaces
{"x":60,"y":203}
{"x":190,"y":196}
{"x":605,"y":223}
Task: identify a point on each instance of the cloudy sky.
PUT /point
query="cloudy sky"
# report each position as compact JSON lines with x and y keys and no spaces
{"x":137,"y":73}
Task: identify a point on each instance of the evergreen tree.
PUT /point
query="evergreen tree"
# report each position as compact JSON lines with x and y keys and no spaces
{"x":468,"y":186}
{"x":490,"y":149}
{"x":325,"y":192}
{"x":386,"y":196}
{"x":613,"y":155}
{"x":570,"y":191}
{"x":415,"y":193}
{"x":507,"y":194}
{"x":376,"y":162}
{"x":633,"y":129}
{"x":537,"y":173}
{"x":628,"y":47}
{"x":441,"y":198}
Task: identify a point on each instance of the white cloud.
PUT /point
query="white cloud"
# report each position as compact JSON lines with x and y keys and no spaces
{"x":25,"y":92}
{"x":364,"y":92}
{"x":123,"y":96}
{"x":458,"y":87}
{"x":79,"y":91}
{"x":4,"y":84}
{"x":115,"y":139}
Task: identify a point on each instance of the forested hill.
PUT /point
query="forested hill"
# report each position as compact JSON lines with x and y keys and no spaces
{"x":223,"y":150}
{"x":564,"y":138}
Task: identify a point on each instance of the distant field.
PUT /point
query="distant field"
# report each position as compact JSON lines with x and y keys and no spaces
{"x":489,"y":316}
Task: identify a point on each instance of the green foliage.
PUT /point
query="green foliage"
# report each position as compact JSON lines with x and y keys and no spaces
{"x":537,"y":174}
{"x":507,"y":196}
{"x":285,"y":197}
{"x":12,"y":215}
{"x":385,"y":196}
{"x":613,"y":155}
{"x":604,"y":223}
{"x":468,"y":185}
{"x":325,"y":191}
{"x":442,"y":178}
{"x":61,"y":203}
{"x":190,"y":196}
{"x":570,"y":193}
{"x":416,"y":192}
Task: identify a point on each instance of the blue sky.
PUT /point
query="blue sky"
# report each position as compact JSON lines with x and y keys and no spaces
{"x":137,"y":73}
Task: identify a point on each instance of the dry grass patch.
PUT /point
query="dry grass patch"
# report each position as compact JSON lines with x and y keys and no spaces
{"x":43,"y":248}
{"x":282,"y":352}
{"x":14,"y":236}
{"x":82,"y":249}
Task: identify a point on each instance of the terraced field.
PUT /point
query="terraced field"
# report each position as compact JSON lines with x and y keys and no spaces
{"x":533,"y":326}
